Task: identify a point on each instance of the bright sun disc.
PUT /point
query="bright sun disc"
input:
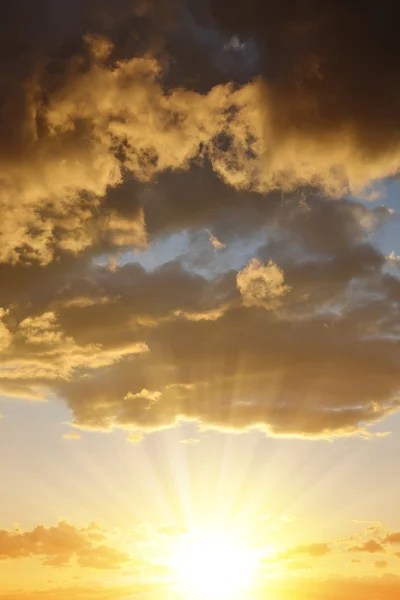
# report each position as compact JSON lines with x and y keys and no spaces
{"x":212,"y":566}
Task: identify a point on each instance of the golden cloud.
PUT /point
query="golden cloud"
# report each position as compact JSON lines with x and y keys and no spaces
{"x":58,"y":545}
{"x":108,"y":148}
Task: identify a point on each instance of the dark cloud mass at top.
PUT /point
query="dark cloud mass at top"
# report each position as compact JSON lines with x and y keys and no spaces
{"x":123,"y":123}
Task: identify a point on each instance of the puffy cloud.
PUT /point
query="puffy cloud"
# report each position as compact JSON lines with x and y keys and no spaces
{"x":103,"y":150}
{"x":325,"y":105}
{"x":41,"y":330}
{"x":370,"y":546}
{"x":256,"y":382}
{"x":58,"y":545}
{"x":117,"y":343}
{"x":85,"y":113}
{"x":393,"y":538}
{"x":39,"y":353}
{"x":261,"y":285}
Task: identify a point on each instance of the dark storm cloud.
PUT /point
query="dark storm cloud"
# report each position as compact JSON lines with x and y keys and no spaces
{"x":108,"y":144}
{"x":95,"y":94}
{"x":328,"y":97}
{"x":329,"y":64}
{"x":298,"y":342}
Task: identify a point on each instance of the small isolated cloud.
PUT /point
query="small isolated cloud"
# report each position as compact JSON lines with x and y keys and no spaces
{"x":380,"y":564}
{"x":370,"y":546}
{"x":135,"y":438}
{"x":215,"y":242}
{"x":71,"y":435}
{"x":315,"y":550}
{"x":394,"y":258}
{"x":261,"y":285}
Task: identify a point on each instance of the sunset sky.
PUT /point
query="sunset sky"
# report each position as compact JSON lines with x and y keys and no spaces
{"x":199,"y":300}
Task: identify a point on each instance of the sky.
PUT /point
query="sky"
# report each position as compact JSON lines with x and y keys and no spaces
{"x":199,"y":300}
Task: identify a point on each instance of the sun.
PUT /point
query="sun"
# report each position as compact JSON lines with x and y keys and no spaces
{"x":210,"y":566}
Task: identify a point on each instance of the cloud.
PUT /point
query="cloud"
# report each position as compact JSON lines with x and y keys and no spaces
{"x":261,"y":285}
{"x":215,"y":242}
{"x":320,"y":115}
{"x":314,"y":550}
{"x":39,"y":353}
{"x":108,"y":147}
{"x":71,"y":435}
{"x":370,"y":546}
{"x":393,"y":258}
{"x":256,"y":382}
{"x":117,"y":344}
{"x":79,"y":122}
{"x":392,"y":538}
{"x":59,"y":545}
{"x":135,"y":438}
{"x":5,"y":335}
{"x":380,"y":564}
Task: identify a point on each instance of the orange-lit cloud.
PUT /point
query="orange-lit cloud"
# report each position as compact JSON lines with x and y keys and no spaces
{"x":314,"y":550}
{"x":370,"y":546}
{"x":108,"y":146}
{"x":58,"y":545}
{"x":392,"y":538}
{"x":71,"y":435}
